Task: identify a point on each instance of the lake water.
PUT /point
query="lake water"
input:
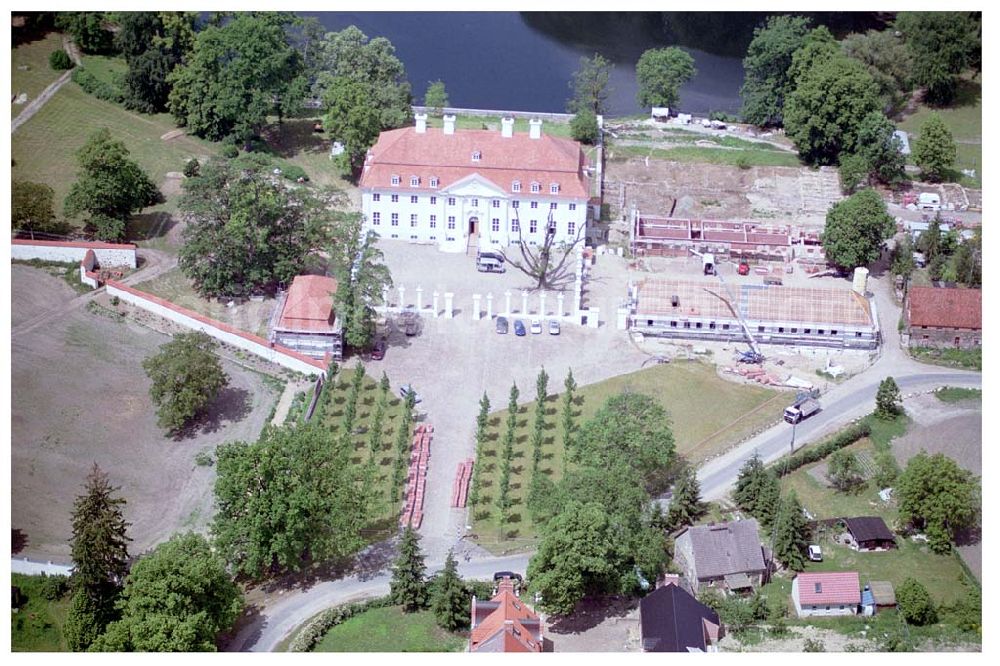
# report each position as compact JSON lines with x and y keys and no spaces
{"x":509,"y":60}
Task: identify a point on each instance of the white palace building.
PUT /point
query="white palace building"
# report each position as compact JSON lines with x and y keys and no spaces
{"x":474,"y":188}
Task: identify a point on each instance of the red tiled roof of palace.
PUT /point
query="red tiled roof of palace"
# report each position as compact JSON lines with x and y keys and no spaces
{"x":448,"y":157}
{"x":309,"y":305}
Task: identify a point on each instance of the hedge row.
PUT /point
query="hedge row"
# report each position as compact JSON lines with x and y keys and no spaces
{"x":94,"y":86}
{"x":315,"y":630}
{"x":813,"y":454}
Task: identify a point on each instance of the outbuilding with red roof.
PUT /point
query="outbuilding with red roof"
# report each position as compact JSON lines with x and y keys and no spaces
{"x":827,"y":593}
{"x":942,"y":317}
{"x":305,"y":320}
{"x":505,"y":623}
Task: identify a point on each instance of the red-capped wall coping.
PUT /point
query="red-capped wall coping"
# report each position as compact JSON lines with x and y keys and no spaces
{"x":96,"y":245}
{"x":217,"y":324}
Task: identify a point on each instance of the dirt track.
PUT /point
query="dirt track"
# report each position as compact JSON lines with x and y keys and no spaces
{"x":79,"y":395}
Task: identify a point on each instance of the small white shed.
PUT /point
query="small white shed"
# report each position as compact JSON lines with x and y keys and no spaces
{"x":660,"y":114}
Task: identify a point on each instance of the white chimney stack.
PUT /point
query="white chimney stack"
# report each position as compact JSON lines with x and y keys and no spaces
{"x":535,"y":128}
{"x":449,"y":124}
{"x":506,"y":127}
{"x":421,"y":119}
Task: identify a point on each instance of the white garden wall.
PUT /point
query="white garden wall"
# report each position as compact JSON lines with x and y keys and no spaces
{"x":108,"y":254}
{"x":217,"y":329}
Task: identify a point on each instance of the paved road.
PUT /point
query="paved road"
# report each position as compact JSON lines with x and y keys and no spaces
{"x":282,"y":618}
{"x":23,"y":565}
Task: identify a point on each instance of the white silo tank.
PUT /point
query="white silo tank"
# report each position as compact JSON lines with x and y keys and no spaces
{"x":861,"y":280}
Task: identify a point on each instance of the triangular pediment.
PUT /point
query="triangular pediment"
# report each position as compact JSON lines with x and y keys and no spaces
{"x":474,"y":185}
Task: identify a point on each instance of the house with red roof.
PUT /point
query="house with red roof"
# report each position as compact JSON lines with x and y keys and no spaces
{"x":504,"y":623}
{"x":941,"y":317}
{"x":305,"y":319}
{"x":470,"y":188}
{"x":826,"y":594}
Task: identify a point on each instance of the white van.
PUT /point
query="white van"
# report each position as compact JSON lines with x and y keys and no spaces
{"x":929,"y":201}
{"x":489,"y":265}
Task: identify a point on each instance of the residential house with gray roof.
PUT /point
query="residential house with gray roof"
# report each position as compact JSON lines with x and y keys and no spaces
{"x":725,"y":556}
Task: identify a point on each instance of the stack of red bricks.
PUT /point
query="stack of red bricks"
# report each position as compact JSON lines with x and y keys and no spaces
{"x":462,"y":477}
{"x":760,"y":375}
{"x":416,"y":480}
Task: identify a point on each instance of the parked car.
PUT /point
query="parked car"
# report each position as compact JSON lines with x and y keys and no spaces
{"x":815,"y":553}
{"x":744,"y":268}
{"x":536,"y":326}
{"x":490,"y":265}
{"x":553,"y":327}
{"x":490,"y":255}
{"x":406,"y":390}
{"x":502,"y":325}
{"x":519,"y":327}
{"x":378,"y":351}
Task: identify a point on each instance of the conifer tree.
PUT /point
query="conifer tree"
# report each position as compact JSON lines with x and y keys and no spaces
{"x":791,"y":533}
{"x":538,"y":432}
{"x":450,"y":598}
{"x":99,"y":548}
{"x":568,"y":420}
{"x":757,"y":490}
{"x":383,"y":384}
{"x":503,"y":495}
{"x":408,"y":586}
{"x":686,"y":505}
{"x":482,"y":420}
{"x":403,"y":444}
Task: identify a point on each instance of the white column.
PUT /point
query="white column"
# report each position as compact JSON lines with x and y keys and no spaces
{"x":524,"y":302}
{"x":435,"y":305}
{"x":420,"y":298}
{"x":476,"y":300}
{"x":449,"y":311}
{"x":622,"y":319}
{"x":489,"y":305}
{"x":402,"y":302}
{"x":507,"y":308}
{"x":541,"y":304}
{"x":559,"y":304}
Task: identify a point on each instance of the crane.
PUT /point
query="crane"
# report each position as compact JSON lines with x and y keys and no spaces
{"x":754,"y":355}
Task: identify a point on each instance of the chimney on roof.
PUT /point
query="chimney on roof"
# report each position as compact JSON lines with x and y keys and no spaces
{"x":421,"y":119}
{"x":449,"y":124}
{"x":536,"y":128}
{"x":506,"y":127}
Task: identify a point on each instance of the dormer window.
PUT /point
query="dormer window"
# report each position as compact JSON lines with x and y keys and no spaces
{"x":554,"y":188}
{"x":395,"y":179}
{"x":476,"y":156}
{"x":414,"y":181}
{"x":434,"y":181}
{"x":515,"y":186}
{"x":536,"y":187}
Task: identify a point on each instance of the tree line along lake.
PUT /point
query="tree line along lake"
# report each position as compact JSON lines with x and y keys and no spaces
{"x":525,"y":61}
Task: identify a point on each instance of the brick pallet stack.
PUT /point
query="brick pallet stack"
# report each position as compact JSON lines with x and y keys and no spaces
{"x":462,"y":477}
{"x":416,"y":480}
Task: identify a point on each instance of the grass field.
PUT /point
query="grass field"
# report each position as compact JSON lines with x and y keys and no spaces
{"x":390,"y":630}
{"x":684,"y":389}
{"x":955,"y":394}
{"x":38,"y":75}
{"x":37,"y":626}
{"x":108,"y":69}
{"x":44,"y":149}
{"x":721,"y":155}
{"x":966,"y":359}
{"x":965,"y":120}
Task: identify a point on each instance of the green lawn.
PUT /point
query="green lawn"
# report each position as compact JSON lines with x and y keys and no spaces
{"x":492,"y":123}
{"x":37,"y":626}
{"x":955,"y":394}
{"x":109,"y":69}
{"x":721,"y":155}
{"x":295,"y":141}
{"x":390,"y":630}
{"x":683,"y":388}
{"x":965,"y":120}
{"x":38,"y":75}
{"x":44,"y":149}
{"x":966,"y":359}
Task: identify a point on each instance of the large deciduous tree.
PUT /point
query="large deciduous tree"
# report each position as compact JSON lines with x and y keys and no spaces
{"x":31,"y":207}
{"x":887,"y":60}
{"x":99,"y":548}
{"x":943,"y":45}
{"x":290,"y":498}
{"x":845,"y":471}
{"x":915,"y":603}
{"x":186,"y":377}
{"x":89,"y":30}
{"x":583,"y":127}
{"x":236,"y":75}
{"x":247,"y":230}
{"x":818,"y":46}
{"x":855,"y":230}
{"x":888,"y":399}
{"x":590,"y":85}
{"x":660,"y":74}
{"x":935,"y":151}
{"x":109,"y":187}
{"x":881,"y":149}
{"x":436,"y":97}
{"x":545,"y":263}
{"x":351,"y":119}
{"x":178,"y":598}
{"x":767,"y":81}
{"x":635,"y":427}
{"x":823,"y":113}
{"x":939,"y":497}
{"x":408,"y":586}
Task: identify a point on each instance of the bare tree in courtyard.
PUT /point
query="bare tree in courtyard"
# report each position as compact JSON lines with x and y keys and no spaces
{"x":544,"y":263}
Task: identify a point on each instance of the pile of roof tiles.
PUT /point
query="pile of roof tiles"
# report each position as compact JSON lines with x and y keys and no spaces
{"x":416,"y":480}
{"x":760,"y":376}
{"x":462,"y":477}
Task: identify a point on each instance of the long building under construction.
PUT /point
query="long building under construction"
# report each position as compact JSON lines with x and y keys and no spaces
{"x":703,"y":310}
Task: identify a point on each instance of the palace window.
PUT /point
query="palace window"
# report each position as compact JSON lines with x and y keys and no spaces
{"x":476,"y":156}
{"x":434,"y":201}
{"x":495,"y":224}
{"x":395,"y":198}
{"x":515,"y":186}
{"x":534,"y":204}
{"x":554,"y":188}
{"x":496,"y":203}
{"x":395,"y":219}
{"x":572,"y":206}
{"x":451,"y":201}
{"x":376,"y":197}
{"x":395,"y":180}
{"x":434,"y":181}
{"x":515,"y":226}
{"x":571,"y":228}
{"x":475,"y":203}
{"x":533,"y":227}
{"x":553,"y":205}
{"x":413,"y":220}
{"x":515,"y":204}
{"x":376,"y":219}
{"x":536,"y":187}
{"x":414,"y":199}
{"x":434,"y":221}
{"x":451,"y":221}
{"x":414,"y":181}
